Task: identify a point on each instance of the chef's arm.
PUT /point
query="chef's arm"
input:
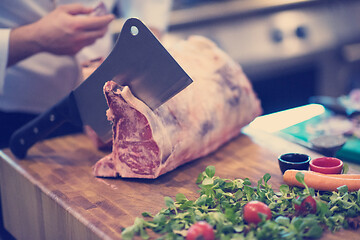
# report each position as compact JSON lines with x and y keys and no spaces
{"x":22,"y":44}
{"x":4,"y":43}
{"x":64,"y":31}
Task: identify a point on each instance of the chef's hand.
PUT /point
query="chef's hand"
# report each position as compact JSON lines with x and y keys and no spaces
{"x":64,"y":31}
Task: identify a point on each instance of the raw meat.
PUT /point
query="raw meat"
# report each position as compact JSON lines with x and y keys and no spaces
{"x":194,"y":123}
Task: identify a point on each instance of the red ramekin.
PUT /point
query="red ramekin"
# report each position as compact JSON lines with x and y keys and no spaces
{"x":327,"y":165}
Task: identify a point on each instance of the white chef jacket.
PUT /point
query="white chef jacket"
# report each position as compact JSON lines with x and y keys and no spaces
{"x":38,"y":82}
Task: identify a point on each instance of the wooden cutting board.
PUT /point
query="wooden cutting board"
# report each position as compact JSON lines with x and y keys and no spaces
{"x":53,"y":195}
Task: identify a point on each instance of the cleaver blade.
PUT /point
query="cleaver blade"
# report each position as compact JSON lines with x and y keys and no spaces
{"x":137,"y":60}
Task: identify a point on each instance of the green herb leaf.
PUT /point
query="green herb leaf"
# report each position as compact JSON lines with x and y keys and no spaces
{"x":284,"y":189}
{"x":300,"y":177}
{"x":284,"y":221}
{"x":345,"y":169}
{"x":169,"y":202}
{"x":343,"y":189}
{"x":221,"y":203}
{"x":207,"y":181}
{"x":266,"y":177}
{"x":146,"y":214}
{"x":181,"y":198}
{"x":210,"y":171}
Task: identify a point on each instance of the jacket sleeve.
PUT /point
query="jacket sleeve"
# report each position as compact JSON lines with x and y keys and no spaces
{"x":4,"y":50}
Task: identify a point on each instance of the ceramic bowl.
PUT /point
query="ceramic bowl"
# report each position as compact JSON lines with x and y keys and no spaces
{"x":327,"y":165}
{"x":297,"y":161}
{"x":328,"y":145}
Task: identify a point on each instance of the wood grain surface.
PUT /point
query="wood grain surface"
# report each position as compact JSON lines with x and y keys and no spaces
{"x":53,"y":195}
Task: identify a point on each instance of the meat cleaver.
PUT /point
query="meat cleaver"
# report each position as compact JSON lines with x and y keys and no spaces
{"x":137,"y":60}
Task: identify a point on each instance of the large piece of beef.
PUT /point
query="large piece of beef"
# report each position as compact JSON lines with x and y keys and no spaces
{"x":205,"y":115}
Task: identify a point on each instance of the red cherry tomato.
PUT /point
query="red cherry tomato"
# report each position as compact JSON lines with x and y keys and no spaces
{"x":308,"y":205}
{"x":252,"y":210}
{"x":200,"y":230}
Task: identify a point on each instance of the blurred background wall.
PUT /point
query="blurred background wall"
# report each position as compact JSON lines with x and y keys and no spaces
{"x":290,"y":50}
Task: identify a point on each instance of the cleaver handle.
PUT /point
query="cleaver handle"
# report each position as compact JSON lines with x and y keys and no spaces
{"x":44,"y":124}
